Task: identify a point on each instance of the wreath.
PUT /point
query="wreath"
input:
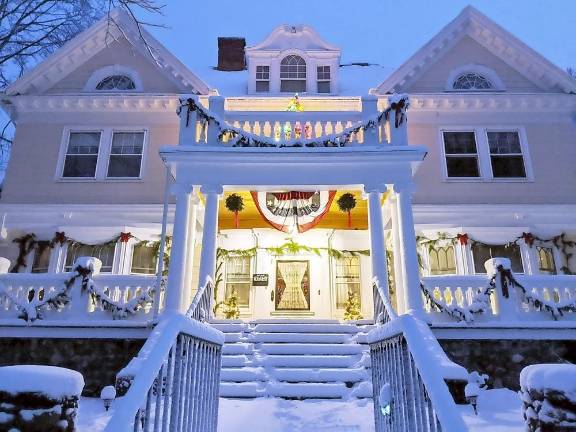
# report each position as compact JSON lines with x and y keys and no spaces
{"x":347,"y":203}
{"x":235,"y":204}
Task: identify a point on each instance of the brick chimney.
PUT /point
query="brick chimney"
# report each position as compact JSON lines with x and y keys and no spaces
{"x":231,"y":54}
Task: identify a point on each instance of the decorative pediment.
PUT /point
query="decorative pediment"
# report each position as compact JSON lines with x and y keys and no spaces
{"x":299,"y":37}
{"x":473,"y":24}
{"x":96,"y":39}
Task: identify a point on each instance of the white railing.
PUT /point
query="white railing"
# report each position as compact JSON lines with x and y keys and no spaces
{"x":31,"y":290}
{"x":202,"y":307}
{"x":409,"y":374}
{"x":460,"y":291}
{"x":383,"y":310}
{"x":174,"y":380}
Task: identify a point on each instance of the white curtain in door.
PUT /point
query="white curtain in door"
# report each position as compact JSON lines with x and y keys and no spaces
{"x":293,"y":297}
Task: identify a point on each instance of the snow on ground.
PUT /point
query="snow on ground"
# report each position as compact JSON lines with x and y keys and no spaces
{"x":499,"y":410}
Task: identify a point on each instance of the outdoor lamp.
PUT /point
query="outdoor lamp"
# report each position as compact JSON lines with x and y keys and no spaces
{"x":108,"y":394}
{"x":471,"y":392}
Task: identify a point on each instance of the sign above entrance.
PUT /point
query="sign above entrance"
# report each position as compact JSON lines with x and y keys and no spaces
{"x":293,"y":211}
{"x":260,"y":279}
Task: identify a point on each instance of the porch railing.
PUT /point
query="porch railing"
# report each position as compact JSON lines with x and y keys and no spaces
{"x":202,"y":307}
{"x":174,"y":380}
{"x":32,"y":290}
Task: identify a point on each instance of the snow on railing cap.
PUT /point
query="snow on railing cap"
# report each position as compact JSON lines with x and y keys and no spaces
{"x":492,"y":265}
{"x":54,"y":382}
{"x":4,"y":265}
{"x":91,"y":263}
{"x":560,"y":377}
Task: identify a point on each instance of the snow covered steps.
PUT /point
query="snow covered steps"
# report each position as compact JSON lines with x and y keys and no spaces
{"x":294,"y":359}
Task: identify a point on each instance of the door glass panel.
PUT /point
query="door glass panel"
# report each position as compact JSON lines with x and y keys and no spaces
{"x":292,"y":285}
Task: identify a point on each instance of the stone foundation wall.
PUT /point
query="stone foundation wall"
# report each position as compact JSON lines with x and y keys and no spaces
{"x":99,"y":360}
{"x":503,"y":360}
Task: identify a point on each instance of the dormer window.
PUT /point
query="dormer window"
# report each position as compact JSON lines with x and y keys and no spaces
{"x":116,"y":82}
{"x":472,"y":81}
{"x":262,"y":79}
{"x":323,"y":79}
{"x":293,"y":74}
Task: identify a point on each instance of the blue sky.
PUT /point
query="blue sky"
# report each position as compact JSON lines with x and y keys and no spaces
{"x":381,"y":31}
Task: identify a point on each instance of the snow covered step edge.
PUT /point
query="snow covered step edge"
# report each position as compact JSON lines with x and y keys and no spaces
{"x":320,"y":375}
{"x":308,"y":390}
{"x":306,"y":328}
{"x":298,"y":361}
{"x":299,"y":338}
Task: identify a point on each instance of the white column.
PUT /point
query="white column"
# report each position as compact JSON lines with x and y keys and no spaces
{"x":408,"y":250}
{"x":377,"y":242}
{"x":189,"y":269}
{"x":175,"y":289}
{"x":398,"y":268}
{"x":209,"y":233}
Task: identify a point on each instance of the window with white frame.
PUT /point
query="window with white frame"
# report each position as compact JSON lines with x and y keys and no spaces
{"x":347,"y":279}
{"x":238,"y":278}
{"x":482,"y":252}
{"x":82,"y":154}
{"x":471,"y":81}
{"x":546,"y":263}
{"x":126,"y":154}
{"x":144,"y":258}
{"x":41,"y":257}
{"x":442,"y":260}
{"x":116,"y":82}
{"x":506,"y":154}
{"x":461,"y":154}
{"x":262,"y":79}
{"x":293,"y":74}
{"x":323,"y":79}
{"x":104,"y":253}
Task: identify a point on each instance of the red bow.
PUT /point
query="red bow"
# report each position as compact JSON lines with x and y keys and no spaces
{"x":462,"y":238}
{"x":528,"y":238}
{"x":124,"y":237}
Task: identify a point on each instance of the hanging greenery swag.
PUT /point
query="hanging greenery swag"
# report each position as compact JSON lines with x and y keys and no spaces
{"x":241,"y":138}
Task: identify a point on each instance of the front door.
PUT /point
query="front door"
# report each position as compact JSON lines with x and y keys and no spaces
{"x":292,"y":285}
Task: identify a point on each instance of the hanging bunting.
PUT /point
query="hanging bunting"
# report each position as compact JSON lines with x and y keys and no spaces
{"x":293,"y":211}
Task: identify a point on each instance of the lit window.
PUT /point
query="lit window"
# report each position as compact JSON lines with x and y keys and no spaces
{"x":81,"y":154}
{"x":461,"y":154}
{"x":104,"y":253}
{"x":323,"y":79}
{"x":293,"y":74}
{"x":546,"y":262}
{"x":442,"y":260}
{"x":126,"y":154}
{"x":116,"y":82}
{"x":238,"y":279}
{"x":506,"y":154}
{"x":144,"y":258}
{"x":347,"y":279}
{"x":262,"y":79}
{"x":482,"y":253}
{"x":472,"y":81}
{"x":41,"y":257}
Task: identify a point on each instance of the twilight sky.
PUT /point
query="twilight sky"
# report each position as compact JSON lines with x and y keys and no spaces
{"x":381,"y":31}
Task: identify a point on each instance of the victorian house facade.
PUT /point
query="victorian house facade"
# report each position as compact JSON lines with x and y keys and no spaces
{"x":293,"y":180}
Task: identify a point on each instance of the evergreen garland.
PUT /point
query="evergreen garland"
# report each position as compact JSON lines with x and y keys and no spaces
{"x":25,"y":245}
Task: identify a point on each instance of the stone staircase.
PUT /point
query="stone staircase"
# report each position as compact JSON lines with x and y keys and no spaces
{"x":295,"y":359}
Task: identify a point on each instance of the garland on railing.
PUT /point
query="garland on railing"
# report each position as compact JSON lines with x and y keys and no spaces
{"x":242,"y":138}
{"x":556,"y":309}
{"x":25,"y":245}
{"x":530,"y":239}
{"x":480,"y":303}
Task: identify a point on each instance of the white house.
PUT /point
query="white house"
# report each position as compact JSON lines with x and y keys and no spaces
{"x":480,"y":165}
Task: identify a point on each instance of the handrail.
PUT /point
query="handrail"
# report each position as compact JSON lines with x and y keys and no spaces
{"x":416,"y":376}
{"x":202,"y":307}
{"x":383,"y":310}
{"x":184,"y":355}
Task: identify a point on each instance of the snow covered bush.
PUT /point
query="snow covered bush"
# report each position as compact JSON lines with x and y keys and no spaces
{"x":548,"y":393}
{"x":39,"y":398}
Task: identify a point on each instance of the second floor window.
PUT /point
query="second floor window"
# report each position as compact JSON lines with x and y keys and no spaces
{"x":262,"y":79}
{"x":41,"y":257}
{"x":442,"y":260}
{"x":126,"y":154}
{"x":144,"y":259}
{"x":546,"y":262}
{"x":323,"y":79}
{"x":82,"y":154}
{"x":104,"y":253}
{"x":461,"y":154}
{"x":506,"y":154}
{"x":482,"y":253}
{"x":293,"y":74}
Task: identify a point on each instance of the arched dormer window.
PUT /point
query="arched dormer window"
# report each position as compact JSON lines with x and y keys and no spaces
{"x":115,"y":78}
{"x":474,"y":78}
{"x":293,"y":74}
{"x":116,"y":82}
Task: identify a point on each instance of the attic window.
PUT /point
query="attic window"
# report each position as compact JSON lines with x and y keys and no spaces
{"x":472,"y":81}
{"x":116,"y":82}
{"x":293,"y":74}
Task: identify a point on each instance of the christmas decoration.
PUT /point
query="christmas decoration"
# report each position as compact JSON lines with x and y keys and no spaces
{"x":235,"y":204}
{"x":347,"y":203}
{"x":352,"y":307}
{"x":230,"y":307}
{"x":125,"y":237}
{"x":240,"y":138}
{"x":25,"y":245}
{"x":295,"y":105}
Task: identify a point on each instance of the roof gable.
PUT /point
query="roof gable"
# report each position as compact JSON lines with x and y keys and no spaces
{"x":299,"y":37}
{"x":94,"y":40}
{"x":470,"y":23}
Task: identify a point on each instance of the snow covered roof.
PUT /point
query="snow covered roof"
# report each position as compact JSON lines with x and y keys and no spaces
{"x":293,"y":36}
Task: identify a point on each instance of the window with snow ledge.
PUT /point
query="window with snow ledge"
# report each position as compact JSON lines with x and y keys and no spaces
{"x":115,"y":78}
{"x":474,"y":78}
{"x":293,"y":74}
{"x":104,"y":253}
